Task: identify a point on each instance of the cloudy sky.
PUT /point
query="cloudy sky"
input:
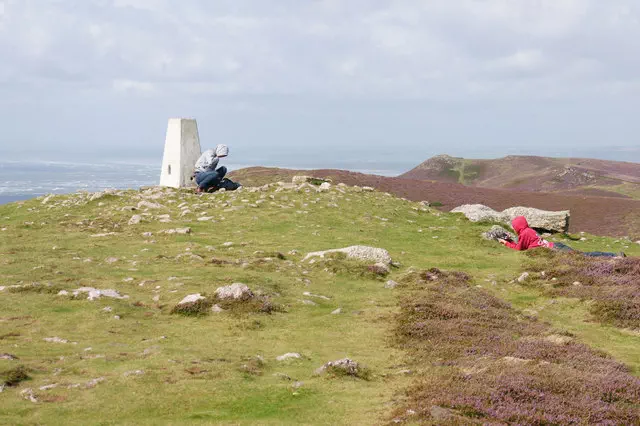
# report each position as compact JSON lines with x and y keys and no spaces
{"x":322,"y":82}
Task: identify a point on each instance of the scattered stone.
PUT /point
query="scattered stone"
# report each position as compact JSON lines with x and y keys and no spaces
{"x":133,"y":373}
{"x":94,"y":382}
{"x":191,"y":299}
{"x":577,"y":284}
{"x":368,"y":189}
{"x":149,"y":205}
{"x":497,"y":232}
{"x":235,"y":291}
{"x":63,"y":293}
{"x":108,"y":309}
{"x":111,"y":260}
{"x":48,"y":387}
{"x":8,"y":357}
{"x":522,"y":278}
{"x":325,"y":186}
{"x":365,"y":253}
{"x":539,"y":219}
{"x":216,"y":309}
{"x":306,"y":293}
{"x":309,"y":302}
{"x":55,"y":340}
{"x":107,"y":234}
{"x":391,"y":284}
{"x":147,"y":234}
{"x":337,"y":311}
{"x":345,"y":367}
{"x":135,"y":219}
{"x":205,"y":218}
{"x":288,"y":356}
{"x":94,"y":293}
{"x":179,"y":231}
{"x":29,"y":395}
{"x":227,"y":244}
{"x":300,"y":179}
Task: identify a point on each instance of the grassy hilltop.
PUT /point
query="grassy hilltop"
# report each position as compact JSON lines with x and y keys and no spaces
{"x":459,"y":340}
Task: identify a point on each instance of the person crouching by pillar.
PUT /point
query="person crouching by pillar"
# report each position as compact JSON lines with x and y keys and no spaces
{"x":206,"y":175}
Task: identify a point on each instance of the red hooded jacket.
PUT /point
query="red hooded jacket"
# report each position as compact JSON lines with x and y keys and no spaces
{"x":527,"y":237}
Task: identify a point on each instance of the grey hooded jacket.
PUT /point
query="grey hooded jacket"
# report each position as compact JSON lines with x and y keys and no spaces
{"x":208,"y":161}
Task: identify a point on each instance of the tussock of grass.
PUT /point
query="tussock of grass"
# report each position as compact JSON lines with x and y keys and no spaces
{"x":14,"y":376}
{"x":612,"y":284}
{"x":492,"y":365}
{"x":194,"y":309}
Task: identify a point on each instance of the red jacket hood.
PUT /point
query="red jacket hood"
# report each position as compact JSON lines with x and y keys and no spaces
{"x":519,"y":223}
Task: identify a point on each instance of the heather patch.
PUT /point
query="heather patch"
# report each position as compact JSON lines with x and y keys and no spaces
{"x":490,"y":364}
{"x":612,"y":284}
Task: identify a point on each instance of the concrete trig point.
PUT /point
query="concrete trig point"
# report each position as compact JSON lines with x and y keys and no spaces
{"x":181,"y":151}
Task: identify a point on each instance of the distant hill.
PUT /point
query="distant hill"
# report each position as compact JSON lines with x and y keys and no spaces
{"x":579,"y":176}
{"x":598,"y":215}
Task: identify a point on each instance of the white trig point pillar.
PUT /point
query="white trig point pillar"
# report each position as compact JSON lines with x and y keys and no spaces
{"x":181,"y":151}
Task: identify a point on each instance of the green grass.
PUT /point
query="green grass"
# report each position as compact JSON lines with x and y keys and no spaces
{"x":194,"y":366}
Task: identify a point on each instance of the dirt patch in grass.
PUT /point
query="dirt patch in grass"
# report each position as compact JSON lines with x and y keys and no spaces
{"x":487,"y":364}
{"x":612,"y":284}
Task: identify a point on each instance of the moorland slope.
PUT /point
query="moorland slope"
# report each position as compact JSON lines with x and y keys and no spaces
{"x":593,"y":214}
{"x":579,"y":176}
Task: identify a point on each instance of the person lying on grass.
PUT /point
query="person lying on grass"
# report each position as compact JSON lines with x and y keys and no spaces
{"x":528,"y":238}
{"x":206,"y":175}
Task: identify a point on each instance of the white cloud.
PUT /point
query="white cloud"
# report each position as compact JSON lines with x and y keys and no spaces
{"x":393,"y":48}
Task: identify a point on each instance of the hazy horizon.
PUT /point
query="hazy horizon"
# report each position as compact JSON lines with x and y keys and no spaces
{"x":327,"y":84}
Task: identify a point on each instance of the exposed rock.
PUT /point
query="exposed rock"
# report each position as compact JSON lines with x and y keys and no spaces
{"x":368,"y":189}
{"x":48,"y":387}
{"x":479,"y":213}
{"x":306,"y":293}
{"x":94,"y":382}
{"x":216,"y":309}
{"x":380,"y":268}
{"x":191,"y":299}
{"x":288,"y":356}
{"x":135,"y":219}
{"x":111,"y":260}
{"x":149,"y":205}
{"x":29,"y":395}
{"x":346,"y":366}
{"x":325,"y":186}
{"x":106,"y":234}
{"x":337,"y":311}
{"x":8,"y":357}
{"x":235,"y":291}
{"x":365,"y":253}
{"x":391,"y":284}
{"x":497,"y":232}
{"x":55,"y":340}
{"x":522,"y":278}
{"x":94,"y":293}
{"x":300,"y":179}
{"x":309,"y":303}
{"x":179,"y":231}
{"x":539,"y":219}
{"x":133,"y":373}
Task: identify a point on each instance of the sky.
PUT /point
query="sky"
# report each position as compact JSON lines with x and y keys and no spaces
{"x":321,"y":83}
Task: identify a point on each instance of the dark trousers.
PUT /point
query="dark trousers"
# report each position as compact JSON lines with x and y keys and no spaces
{"x":206,"y":180}
{"x":564,"y":247}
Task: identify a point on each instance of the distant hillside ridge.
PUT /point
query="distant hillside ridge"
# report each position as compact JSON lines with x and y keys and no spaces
{"x":594,"y":214}
{"x":580,"y":176}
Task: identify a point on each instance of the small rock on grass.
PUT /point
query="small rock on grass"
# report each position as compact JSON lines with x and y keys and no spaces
{"x":236,"y":291}
{"x":522,"y":278}
{"x":391,"y":284}
{"x":337,"y":311}
{"x":288,"y":356}
{"x":191,"y":299}
{"x":345,"y":367}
